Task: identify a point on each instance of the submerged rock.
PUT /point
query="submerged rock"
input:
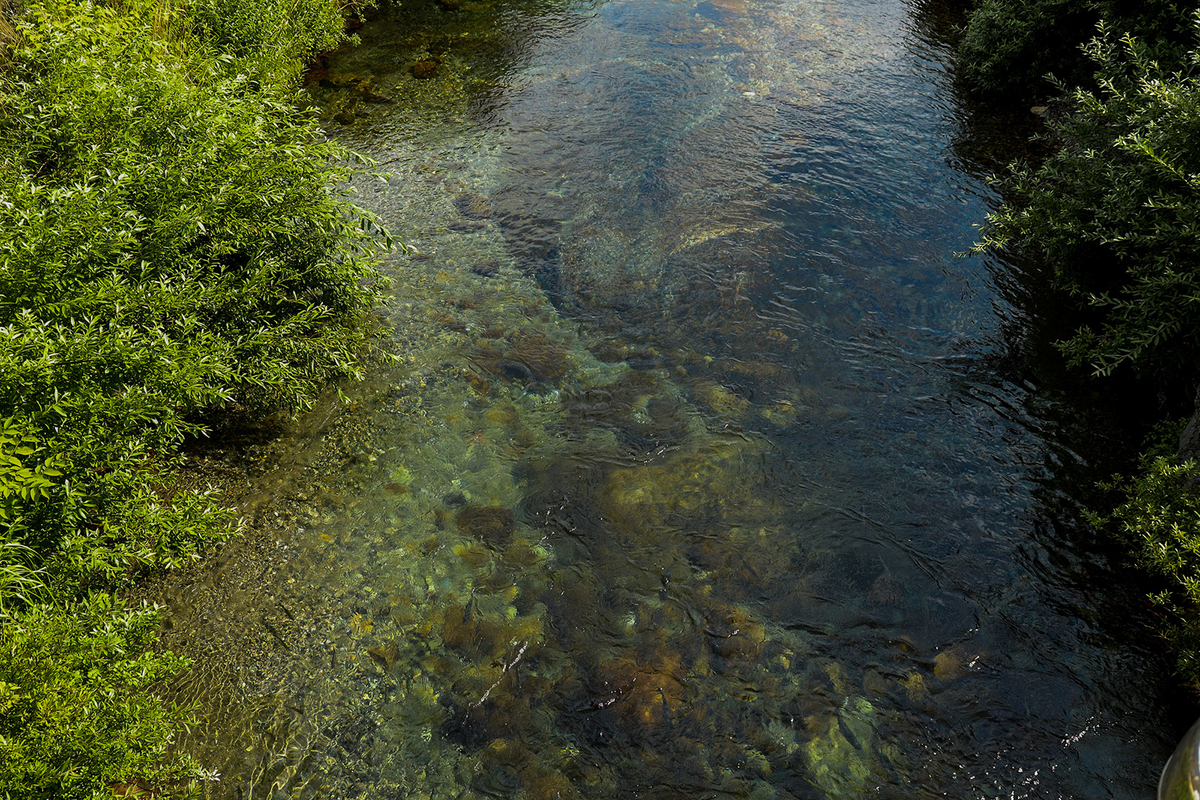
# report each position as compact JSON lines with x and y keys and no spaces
{"x":721,"y":400}
{"x":492,"y":525}
{"x":386,"y":655}
{"x":424,"y":69}
{"x":648,"y":685}
{"x":345,"y":80}
{"x":527,"y":357}
{"x":886,"y":592}
{"x":473,"y":205}
{"x":348,"y":115}
{"x":488,"y":268}
{"x":843,"y":760}
{"x":736,"y":634}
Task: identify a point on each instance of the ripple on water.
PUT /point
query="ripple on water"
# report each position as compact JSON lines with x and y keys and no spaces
{"x":667,"y":488}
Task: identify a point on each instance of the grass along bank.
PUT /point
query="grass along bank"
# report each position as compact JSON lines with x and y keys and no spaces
{"x":174,"y":248}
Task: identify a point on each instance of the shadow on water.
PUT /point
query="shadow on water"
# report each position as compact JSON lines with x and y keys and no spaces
{"x":1090,"y":428}
{"x":705,"y":468}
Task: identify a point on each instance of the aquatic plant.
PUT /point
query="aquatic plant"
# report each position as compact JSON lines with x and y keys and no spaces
{"x":846,"y":759}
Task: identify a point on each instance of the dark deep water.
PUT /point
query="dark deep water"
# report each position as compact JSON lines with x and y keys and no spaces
{"x":707,"y":469}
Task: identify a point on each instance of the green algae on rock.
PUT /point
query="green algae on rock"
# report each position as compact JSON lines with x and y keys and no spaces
{"x":847,"y":758}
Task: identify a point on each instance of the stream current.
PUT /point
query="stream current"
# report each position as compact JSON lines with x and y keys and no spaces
{"x":703,"y":469}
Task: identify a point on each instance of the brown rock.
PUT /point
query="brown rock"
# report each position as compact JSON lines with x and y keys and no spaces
{"x":492,"y":525}
{"x":385,"y":656}
{"x":473,"y":205}
{"x":424,"y":69}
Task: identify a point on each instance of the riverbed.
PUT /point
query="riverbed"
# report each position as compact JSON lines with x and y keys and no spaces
{"x":695,"y":463}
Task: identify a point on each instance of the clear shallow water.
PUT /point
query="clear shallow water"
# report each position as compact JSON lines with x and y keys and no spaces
{"x":705,"y":469}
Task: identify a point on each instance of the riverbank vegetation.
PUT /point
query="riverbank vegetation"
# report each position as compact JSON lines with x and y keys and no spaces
{"x":174,"y":250}
{"x":1007,"y":48}
{"x":1112,"y":216}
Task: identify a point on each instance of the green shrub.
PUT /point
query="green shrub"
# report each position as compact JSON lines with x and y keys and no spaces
{"x":77,"y":714}
{"x":276,"y":37}
{"x":1114,"y":212}
{"x":1009,"y":47}
{"x":172,"y":243}
{"x":1160,"y":519}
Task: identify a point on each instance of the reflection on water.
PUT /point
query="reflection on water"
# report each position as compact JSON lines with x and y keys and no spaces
{"x":696,"y":474}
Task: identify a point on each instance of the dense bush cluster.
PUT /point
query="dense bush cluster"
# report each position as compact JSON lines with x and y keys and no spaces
{"x":1161,"y":521}
{"x":173,"y":245}
{"x":170,"y":243}
{"x":1009,"y":48}
{"x":1112,"y":214}
{"x":76,"y":719}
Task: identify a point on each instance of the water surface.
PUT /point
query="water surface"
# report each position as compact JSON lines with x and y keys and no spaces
{"x":704,"y":469}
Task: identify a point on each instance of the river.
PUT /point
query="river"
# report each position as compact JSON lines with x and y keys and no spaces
{"x":702,"y":466}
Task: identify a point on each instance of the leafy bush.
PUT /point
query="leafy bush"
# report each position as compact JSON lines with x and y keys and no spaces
{"x":1160,"y":518}
{"x":1009,"y":47}
{"x":275,"y":36}
{"x":76,"y":717}
{"x":171,"y":243}
{"x":1115,"y":213}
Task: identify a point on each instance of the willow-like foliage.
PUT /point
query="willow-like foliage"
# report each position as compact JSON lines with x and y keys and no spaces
{"x":174,"y":244}
{"x":1114,"y":212}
